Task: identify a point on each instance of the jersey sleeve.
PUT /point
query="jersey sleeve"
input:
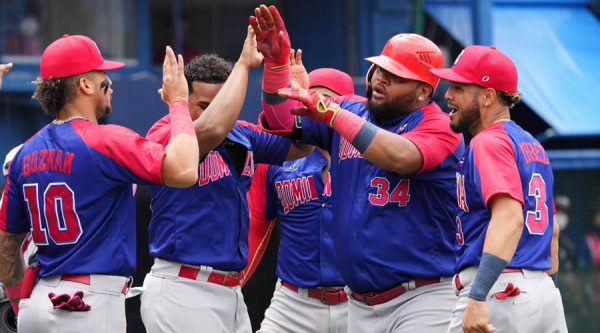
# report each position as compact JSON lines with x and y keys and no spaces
{"x":122,"y":155}
{"x":434,"y":139}
{"x":267,"y":148}
{"x":160,"y":132}
{"x":261,"y":197}
{"x":13,"y":215}
{"x":494,"y":159}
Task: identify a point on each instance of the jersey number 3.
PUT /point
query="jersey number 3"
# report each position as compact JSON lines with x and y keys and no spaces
{"x":58,"y":211}
{"x":537,"y":220}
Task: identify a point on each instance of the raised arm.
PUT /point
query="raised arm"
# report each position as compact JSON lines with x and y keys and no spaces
{"x":180,"y":164}
{"x":274,"y":43}
{"x":385,"y":149}
{"x":216,"y":121}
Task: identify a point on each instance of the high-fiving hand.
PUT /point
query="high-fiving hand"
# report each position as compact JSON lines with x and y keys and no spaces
{"x":317,"y":107}
{"x":175,"y":85}
{"x":250,"y":56}
{"x":298,"y":74}
{"x":271,"y":35}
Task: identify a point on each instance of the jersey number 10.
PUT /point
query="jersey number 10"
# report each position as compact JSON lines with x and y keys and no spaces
{"x":58,"y":211}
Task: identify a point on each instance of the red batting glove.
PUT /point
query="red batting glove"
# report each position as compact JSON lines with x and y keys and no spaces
{"x":65,"y":302}
{"x":317,"y":107}
{"x":271,"y":36}
{"x":510,"y":291}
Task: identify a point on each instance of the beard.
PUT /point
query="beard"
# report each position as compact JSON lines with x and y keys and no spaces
{"x":467,"y":119}
{"x":103,"y":111}
{"x":390,"y":110}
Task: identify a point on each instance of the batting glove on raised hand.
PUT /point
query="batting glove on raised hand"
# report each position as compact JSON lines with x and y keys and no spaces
{"x":317,"y":107}
{"x":271,"y":35}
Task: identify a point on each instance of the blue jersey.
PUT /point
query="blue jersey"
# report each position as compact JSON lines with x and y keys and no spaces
{"x":207,"y":224}
{"x":300,"y":198}
{"x":504,"y":159}
{"x":393,"y":228}
{"x":71,"y":185}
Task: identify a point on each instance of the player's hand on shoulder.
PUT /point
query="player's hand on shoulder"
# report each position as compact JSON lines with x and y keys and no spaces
{"x":175,"y":85}
{"x":250,"y":56}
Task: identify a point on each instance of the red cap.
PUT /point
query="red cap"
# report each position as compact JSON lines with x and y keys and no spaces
{"x":73,"y":55}
{"x":332,"y":79}
{"x":484,"y":66}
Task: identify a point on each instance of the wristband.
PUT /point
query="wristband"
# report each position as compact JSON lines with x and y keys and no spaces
{"x":355,"y":129}
{"x":273,"y":98}
{"x":554,"y":278}
{"x":180,"y":119}
{"x":275,"y":78}
{"x":490,"y":268}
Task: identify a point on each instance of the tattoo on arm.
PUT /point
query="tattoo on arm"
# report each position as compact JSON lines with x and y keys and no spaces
{"x":11,"y":264}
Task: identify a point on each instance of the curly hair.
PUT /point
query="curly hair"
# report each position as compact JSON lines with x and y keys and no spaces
{"x":53,"y":94}
{"x":207,"y":68}
{"x":510,"y":99}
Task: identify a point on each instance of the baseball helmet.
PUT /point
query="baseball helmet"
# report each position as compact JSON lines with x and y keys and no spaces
{"x":409,"y":56}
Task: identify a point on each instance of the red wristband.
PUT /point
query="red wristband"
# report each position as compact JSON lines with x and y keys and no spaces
{"x":359,"y":132}
{"x":180,"y":119}
{"x":14,"y":295}
{"x":348,"y":124}
{"x":275,"y":78}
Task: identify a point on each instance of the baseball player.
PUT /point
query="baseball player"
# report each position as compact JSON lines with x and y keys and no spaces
{"x":199,"y":235}
{"x":70,"y":184}
{"x":309,"y":296}
{"x":393,"y":168}
{"x":505,"y":191}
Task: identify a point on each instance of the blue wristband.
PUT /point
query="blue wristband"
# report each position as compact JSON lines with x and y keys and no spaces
{"x":490,"y":268}
{"x":364,"y":137}
{"x":554,"y":278}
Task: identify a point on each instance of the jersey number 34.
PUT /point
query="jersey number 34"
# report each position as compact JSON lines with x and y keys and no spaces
{"x":57,"y":210}
{"x":400,"y":195}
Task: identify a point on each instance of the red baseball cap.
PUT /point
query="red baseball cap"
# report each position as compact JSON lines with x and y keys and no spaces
{"x":484,"y":66}
{"x":73,"y":55}
{"x":332,"y":79}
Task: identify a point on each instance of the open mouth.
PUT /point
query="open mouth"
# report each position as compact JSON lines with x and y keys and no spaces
{"x":378,"y":92}
{"x":452,"y":109}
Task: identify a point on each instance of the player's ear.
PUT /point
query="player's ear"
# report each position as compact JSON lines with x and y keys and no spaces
{"x":424,"y":92}
{"x":84,"y":83}
{"x":489,"y":96}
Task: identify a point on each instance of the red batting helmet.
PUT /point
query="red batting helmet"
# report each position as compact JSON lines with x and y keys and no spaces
{"x":409,"y":56}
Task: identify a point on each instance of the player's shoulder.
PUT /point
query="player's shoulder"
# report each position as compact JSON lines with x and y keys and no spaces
{"x":493,"y":136}
{"x":433,"y":112}
{"x":351,"y":102}
{"x":242,"y":125}
{"x":106,"y":136}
